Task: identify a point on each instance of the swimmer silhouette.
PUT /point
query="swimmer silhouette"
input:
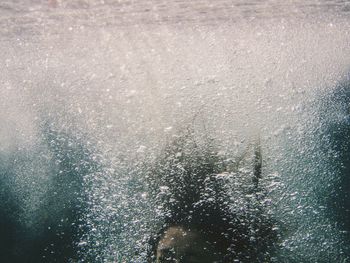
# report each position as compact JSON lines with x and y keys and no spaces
{"x":202,"y":221}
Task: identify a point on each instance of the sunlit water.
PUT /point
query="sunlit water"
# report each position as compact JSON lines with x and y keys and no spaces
{"x":92,"y":91}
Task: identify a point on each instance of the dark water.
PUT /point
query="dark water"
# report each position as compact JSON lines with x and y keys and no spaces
{"x":93,"y":91}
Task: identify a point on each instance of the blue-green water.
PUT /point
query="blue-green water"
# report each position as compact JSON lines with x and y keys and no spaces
{"x":92,"y":92}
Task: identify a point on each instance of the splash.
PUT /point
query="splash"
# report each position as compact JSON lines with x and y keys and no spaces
{"x":87,"y":110}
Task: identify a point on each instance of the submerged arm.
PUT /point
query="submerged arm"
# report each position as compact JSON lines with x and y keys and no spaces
{"x":257,"y":163}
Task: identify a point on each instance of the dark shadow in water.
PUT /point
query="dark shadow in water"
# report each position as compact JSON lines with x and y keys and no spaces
{"x":196,"y":201}
{"x":8,"y":214}
{"x":57,"y":225}
{"x":339,"y":135}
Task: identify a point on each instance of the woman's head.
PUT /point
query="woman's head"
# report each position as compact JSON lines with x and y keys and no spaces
{"x":181,"y":244}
